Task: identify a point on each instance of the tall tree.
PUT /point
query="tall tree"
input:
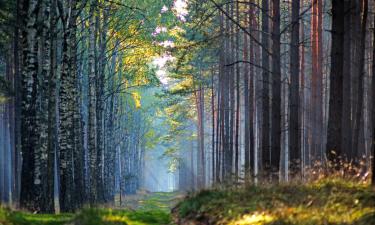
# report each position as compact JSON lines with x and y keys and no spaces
{"x":373,"y":107}
{"x":92,"y":119}
{"x":361,"y":73}
{"x":294,"y":128}
{"x":266,"y":154}
{"x":316,"y":106}
{"x":247,"y":103}
{"x":30,"y":197}
{"x":68,"y":107}
{"x":347,"y":107}
{"x":276,"y":90}
{"x":199,"y":95}
{"x":334,"y":138}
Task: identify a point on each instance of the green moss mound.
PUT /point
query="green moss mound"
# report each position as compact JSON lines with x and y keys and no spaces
{"x":329,"y":201}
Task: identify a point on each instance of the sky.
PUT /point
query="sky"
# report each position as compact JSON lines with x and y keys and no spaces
{"x":180,"y":8}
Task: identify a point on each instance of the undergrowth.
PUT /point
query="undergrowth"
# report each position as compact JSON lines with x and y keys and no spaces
{"x":327,"y":201}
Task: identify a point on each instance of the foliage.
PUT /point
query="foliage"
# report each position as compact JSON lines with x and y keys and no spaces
{"x":329,"y":201}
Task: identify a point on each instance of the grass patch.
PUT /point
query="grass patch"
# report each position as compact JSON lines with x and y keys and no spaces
{"x":121,"y":217}
{"x":324,"y":202}
{"x":159,"y":201}
{"x":86,"y":217}
{"x":8,"y":217}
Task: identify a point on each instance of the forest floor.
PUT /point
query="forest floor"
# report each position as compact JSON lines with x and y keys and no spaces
{"x":325,"y":202}
{"x":329,"y":201}
{"x":141,"y":209}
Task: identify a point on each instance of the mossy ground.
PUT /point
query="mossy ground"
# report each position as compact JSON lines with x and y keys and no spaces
{"x":329,"y":201}
{"x":151,"y":209}
{"x":87,"y":217}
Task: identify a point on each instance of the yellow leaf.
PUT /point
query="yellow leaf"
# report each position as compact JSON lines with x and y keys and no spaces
{"x":137,"y":99}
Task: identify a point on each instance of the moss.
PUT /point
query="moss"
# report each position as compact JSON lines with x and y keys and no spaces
{"x":326,"y":201}
{"x":9,"y":217}
{"x":121,"y":217}
{"x":86,"y":217}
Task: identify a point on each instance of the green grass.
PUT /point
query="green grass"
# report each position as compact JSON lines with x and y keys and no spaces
{"x":8,"y":217}
{"x":323,"y":202}
{"x":159,"y":201}
{"x":121,"y":217}
{"x":87,"y":217}
{"x":151,"y":209}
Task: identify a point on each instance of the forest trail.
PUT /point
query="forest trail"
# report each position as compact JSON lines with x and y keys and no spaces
{"x":328,"y":201}
{"x":143,"y":208}
{"x":144,"y":200}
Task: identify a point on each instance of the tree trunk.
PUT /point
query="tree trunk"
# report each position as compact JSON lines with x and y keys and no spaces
{"x":373,"y":108}
{"x":276,"y":91}
{"x":294,"y":129}
{"x":29,"y":139}
{"x":316,"y":106}
{"x":92,"y":119}
{"x":361,"y":73}
{"x":265,"y":154}
{"x":247,"y":104}
{"x":334,"y":135}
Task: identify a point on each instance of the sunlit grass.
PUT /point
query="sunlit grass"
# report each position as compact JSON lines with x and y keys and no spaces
{"x":159,"y":200}
{"x":87,"y":217}
{"x":109,"y":216}
{"x":255,"y":218}
{"x":8,"y":217}
{"x":327,"y":201}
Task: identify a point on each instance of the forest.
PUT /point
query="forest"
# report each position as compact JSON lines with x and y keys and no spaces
{"x":185,"y":112}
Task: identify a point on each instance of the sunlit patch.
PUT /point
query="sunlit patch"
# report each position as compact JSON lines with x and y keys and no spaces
{"x":167,"y":44}
{"x":113,"y":218}
{"x":159,"y":30}
{"x":255,"y":218}
{"x":161,"y":63}
{"x":180,"y":6}
{"x":162,"y":60}
{"x":164,"y":9}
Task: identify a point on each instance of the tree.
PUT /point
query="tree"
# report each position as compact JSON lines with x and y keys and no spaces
{"x":276,"y":90}
{"x":334,"y":138}
{"x":31,"y":190}
{"x":92,"y":121}
{"x":266,"y":154}
{"x":347,"y":107}
{"x":362,"y":71}
{"x":294,"y":128}
{"x":373,"y":109}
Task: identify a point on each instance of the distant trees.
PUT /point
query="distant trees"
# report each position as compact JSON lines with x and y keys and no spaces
{"x":301,"y":115}
{"x":343,"y":138}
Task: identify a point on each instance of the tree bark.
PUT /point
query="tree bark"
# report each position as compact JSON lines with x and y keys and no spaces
{"x":265,"y":154}
{"x":334,"y":135}
{"x":294,"y":129}
{"x":362,"y":72}
{"x":276,"y":91}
